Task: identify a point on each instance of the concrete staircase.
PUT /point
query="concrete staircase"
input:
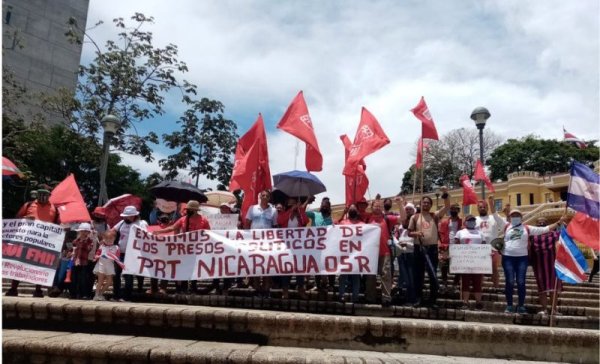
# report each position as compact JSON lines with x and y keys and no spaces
{"x":241,"y":328}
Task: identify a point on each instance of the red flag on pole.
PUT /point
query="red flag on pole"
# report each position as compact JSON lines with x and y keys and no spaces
{"x":420,"y":148}
{"x":469,"y":195}
{"x":421,"y":111}
{"x":251,"y":172}
{"x":297,"y":122}
{"x":69,"y":202}
{"x":369,"y":138}
{"x":353,"y":193}
{"x":481,"y":176}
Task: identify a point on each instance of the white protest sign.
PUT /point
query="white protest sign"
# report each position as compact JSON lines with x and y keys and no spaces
{"x":206,"y":254}
{"x":223,"y":221}
{"x":31,"y":250}
{"x":470,"y":258}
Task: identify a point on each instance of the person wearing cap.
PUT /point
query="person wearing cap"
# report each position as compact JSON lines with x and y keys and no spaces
{"x":423,"y":227}
{"x":131,"y":218}
{"x":39,"y":209}
{"x":491,"y":224}
{"x":192,"y":221}
{"x":99,"y":220}
{"x":82,"y":246}
{"x":470,"y":235}
{"x":362,"y":205}
{"x":515,"y":256}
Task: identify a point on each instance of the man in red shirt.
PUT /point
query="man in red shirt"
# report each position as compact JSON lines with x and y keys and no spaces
{"x":39,"y":209}
{"x":192,"y":221}
{"x":384,"y":262}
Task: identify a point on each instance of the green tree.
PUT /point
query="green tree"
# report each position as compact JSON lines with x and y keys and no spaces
{"x":206,"y":143}
{"x":449,"y":158}
{"x":545,"y":156}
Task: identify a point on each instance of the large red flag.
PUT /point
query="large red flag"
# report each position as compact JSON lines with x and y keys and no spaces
{"x":469,"y":195}
{"x":297,"y":122}
{"x":585,"y":230}
{"x":421,"y":111}
{"x":251,"y":172}
{"x":481,"y":176}
{"x":67,"y":198}
{"x":359,"y":179}
{"x":369,"y":138}
{"x":420,"y":147}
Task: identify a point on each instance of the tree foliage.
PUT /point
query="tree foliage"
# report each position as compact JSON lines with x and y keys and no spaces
{"x":206,"y":143}
{"x":545,"y":156}
{"x":453,"y":155}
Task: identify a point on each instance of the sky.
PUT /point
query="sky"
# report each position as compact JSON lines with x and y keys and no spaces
{"x":533,"y":64}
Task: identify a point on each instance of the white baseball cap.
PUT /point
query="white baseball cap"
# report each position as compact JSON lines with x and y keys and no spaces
{"x":84,"y":226}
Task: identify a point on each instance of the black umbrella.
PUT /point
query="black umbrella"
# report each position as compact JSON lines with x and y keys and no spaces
{"x":178,"y":192}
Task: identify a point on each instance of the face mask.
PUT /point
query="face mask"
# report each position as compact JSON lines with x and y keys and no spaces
{"x":164,"y":220}
{"x":387,"y":207}
{"x":454,"y":213}
{"x":515,"y":221}
{"x":128,"y":221}
{"x":470,"y":224}
{"x":353,"y":214}
{"x":325,"y":210}
{"x":190,"y":213}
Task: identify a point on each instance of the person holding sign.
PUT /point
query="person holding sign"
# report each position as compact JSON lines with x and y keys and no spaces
{"x":515,"y":256}
{"x":470,"y":235}
{"x":353,"y":219}
{"x":423,"y":227}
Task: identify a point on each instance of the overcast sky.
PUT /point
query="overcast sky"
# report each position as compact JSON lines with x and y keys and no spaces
{"x":533,"y":64}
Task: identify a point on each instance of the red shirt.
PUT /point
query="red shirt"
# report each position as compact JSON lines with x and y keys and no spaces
{"x":81,"y":250}
{"x":283,"y":218}
{"x":46,"y":212}
{"x":385,"y":234}
{"x":197,"y":222}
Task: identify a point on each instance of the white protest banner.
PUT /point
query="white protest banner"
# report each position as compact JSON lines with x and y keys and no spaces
{"x":470,"y":258}
{"x":206,"y":254}
{"x":31,"y":250}
{"x":223,"y":221}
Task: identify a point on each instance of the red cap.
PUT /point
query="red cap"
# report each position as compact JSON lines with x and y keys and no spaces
{"x":99,"y":212}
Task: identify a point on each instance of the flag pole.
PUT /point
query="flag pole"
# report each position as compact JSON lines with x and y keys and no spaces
{"x":354,"y":185}
{"x":296,"y":152}
{"x":415,"y":183}
{"x":422,"y":165}
{"x":554,"y":297}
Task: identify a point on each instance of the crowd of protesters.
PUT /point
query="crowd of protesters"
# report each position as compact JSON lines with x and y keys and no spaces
{"x":414,"y":241}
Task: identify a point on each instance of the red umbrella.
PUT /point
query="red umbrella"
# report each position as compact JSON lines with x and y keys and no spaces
{"x":115,"y":206}
{"x":9,"y":168}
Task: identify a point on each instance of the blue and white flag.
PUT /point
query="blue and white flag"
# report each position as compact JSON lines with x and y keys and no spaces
{"x":570,"y":264}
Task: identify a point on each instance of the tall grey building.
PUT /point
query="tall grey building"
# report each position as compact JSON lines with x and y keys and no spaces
{"x":35,"y":47}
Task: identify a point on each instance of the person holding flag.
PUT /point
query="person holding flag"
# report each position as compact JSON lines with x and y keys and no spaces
{"x":515,"y":256}
{"x":106,"y":257}
{"x":542,"y":255}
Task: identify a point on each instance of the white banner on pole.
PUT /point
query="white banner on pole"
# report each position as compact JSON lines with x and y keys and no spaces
{"x":206,"y":254}
{"x":470,"y":258}
{"x":31,"y":250}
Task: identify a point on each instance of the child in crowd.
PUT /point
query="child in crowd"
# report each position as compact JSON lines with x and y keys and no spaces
{"x":470,"y":235}
{"x":106,"y":258}
{"x":81,"y":248}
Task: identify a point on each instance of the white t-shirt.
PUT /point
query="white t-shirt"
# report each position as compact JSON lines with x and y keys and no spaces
{"x":516,"y":239}
{"x":408,"y":243}
{"x":124,"y":230}
{"x":466,"y":236}
{"x":452,"y":230}
{"x":262,"y":218}
{"x":490,"y":226}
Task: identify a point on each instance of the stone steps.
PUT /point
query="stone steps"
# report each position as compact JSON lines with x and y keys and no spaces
{"x":21,"y":346}
{"x":287,"y":329}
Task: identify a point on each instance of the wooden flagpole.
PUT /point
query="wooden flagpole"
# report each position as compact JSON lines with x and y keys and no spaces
{"x":555,"y":293}
{"x":415,"y":183}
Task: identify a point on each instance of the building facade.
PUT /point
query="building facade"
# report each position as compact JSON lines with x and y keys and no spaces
{"x":35,"y":48}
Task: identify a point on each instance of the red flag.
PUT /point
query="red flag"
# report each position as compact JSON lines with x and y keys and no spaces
{"x":67,"y":198}
{"x":362,"y":182}
{"x":481,"y":176}
{"x":297,"y":122}
{"x":469,"y":195}
{"x":420,"y":148}
{"x":251,"y":172}
{"x":585,"y":229}
{"x":369,"y":138}
{"x":421,"y":111}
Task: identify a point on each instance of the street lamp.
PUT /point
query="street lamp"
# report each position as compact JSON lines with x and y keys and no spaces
{"x":110,"y":124}
{"x":480,"y":116}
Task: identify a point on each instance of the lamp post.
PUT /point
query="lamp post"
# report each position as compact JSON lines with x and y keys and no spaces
{"x":480,"y":116}
{"x":110,"y":124}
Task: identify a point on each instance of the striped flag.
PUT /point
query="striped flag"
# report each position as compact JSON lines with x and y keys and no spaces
{"x":573,"y":139}
{"x":570,"y":264}
{"x":114,"y":257}
{"x":584,"y":197}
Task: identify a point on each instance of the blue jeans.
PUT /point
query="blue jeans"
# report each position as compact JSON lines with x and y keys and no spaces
{"x":355,"y":281}
{"x":406,"y":277}
{"x":514,"y":267}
